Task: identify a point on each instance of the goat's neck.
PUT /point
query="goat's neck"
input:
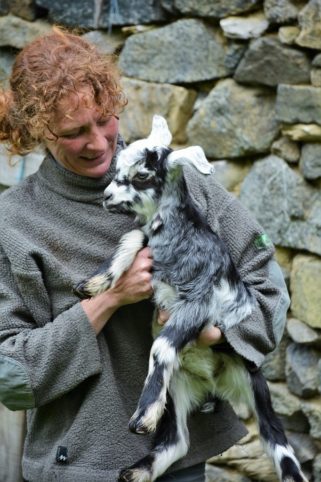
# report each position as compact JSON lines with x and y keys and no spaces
{"x":175,"y":189}
{"x":172,"y":198}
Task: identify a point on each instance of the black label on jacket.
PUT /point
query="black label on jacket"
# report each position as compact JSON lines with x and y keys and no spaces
{"x":62,"y":455}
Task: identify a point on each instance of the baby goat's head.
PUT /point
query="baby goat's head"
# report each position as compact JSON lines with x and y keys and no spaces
{"x":142,"y":169}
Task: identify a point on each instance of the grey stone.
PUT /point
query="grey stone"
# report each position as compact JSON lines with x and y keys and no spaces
{"x":214,"y":9}
{"x":303,"y":446}
{"x":230,"y":174}
{"x":297,"y":422}
{"x":288,"y":35}
{"x":298,"y":104}
{"x":286,"y":206}
{"x":280,"y":11}
{"x":251,"y":26}
{"x":4,"y":7}
{"x":218,"y":125}
{"x":310,"y":23}
{"x":132,"y":13}
{"x":6,"y":61}
{"x":106,"y":43}
{"x":312,"y":410}
{"x":302,"y":132}
{"x":288,"y":408}
{"x":284,"y":402}
{"x":315,"y":77}
{"x":310,"y":162}
{"x":286,"y":149}
{"x":218,"y":474}
{"x":16,"y":32}
{"x":301,"y":370}
{"x":273,"y":367}
{"x":316,"y":62}
{"x":145,"y":99}
{"x":248,"y":459}
{"x":306,"y":288}
{"x":182,"y":52}
{"x":74,"y":13}
{"x":101,"y":14}
{"x":317,"y":468}
{"x":268,"y":62}
{"x":24,"y":9}
{"x":302,"y":333}
{"x":284,"y":258}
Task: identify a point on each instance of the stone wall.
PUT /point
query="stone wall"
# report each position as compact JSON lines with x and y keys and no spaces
{"x":242,"y":78}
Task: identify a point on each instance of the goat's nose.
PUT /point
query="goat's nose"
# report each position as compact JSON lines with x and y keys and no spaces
{"x":107,"y":196}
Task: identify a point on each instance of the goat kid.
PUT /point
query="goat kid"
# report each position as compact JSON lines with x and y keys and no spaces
{"x":195,"y":280}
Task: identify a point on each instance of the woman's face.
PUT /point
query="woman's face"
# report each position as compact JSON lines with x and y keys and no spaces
{"x":80,"y":139}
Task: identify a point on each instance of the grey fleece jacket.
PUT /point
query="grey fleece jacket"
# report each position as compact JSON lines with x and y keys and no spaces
{"x":80,"y":389}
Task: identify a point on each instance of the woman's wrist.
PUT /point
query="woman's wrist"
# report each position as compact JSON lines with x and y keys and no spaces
{"x":101,"y":308}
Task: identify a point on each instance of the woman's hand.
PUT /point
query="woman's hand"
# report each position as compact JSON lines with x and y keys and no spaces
{"x":136,"y":283}
{"x":211,"y":335}
{"x":133,"y":286}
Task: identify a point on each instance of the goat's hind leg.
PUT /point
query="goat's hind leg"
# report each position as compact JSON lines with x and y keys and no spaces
{"x":170,"y":444}
{"x":272,"y":432}
{"x":111,"y":270}
{"x":162,"y":362}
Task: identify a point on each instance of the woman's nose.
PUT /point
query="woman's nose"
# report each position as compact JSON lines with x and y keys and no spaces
{"x":97,"y":141}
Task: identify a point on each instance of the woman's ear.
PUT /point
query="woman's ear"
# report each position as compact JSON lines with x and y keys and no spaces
{"x":193,"y":156}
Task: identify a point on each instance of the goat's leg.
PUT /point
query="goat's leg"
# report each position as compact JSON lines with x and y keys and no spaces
{"x":171,"y":440}
{"x":271,"y":430}
{"x":162,"y":362}
{"x":110,"y":271}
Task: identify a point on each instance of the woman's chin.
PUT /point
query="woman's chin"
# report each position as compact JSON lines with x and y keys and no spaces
{"x":96,"y":169}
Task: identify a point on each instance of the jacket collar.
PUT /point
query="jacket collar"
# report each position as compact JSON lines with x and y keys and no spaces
{"x":68,"y":184}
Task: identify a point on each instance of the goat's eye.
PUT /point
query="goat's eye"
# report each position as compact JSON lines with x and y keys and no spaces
{"x":141,"y":175}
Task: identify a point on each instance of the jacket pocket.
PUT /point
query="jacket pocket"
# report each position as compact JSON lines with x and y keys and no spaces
{"x":15,"y":388}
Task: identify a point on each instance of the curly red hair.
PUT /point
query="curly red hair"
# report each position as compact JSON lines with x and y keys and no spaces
{"x":47,"y":70}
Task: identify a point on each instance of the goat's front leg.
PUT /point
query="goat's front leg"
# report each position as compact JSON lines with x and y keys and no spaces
{"x":109,"y":272}
{"x":162,"y":362}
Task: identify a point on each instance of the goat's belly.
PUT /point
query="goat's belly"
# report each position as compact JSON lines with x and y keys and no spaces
{"x":164,"y":294}
{"x":203,"y":372}
{"x":229,"y":306}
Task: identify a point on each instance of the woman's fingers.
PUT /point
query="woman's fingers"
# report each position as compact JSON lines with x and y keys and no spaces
{"x":211,"y":335}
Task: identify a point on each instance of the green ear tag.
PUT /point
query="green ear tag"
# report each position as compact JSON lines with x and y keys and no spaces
{"x":262,"y":241}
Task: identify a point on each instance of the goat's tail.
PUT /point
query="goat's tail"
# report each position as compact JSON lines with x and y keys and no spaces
{"x":271,"y":431}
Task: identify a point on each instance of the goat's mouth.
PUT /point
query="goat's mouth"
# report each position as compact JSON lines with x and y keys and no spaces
{"x":122,"y":208}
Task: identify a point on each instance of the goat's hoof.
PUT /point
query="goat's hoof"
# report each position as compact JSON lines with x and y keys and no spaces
{"x":135,"y":426}
{"x":81,"y":291}
{"x":135,"y":475}
{"x":144,"y":422}
{"x":93,"y":286}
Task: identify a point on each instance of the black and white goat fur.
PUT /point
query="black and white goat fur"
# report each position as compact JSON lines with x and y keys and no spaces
{"x":195,"y":280}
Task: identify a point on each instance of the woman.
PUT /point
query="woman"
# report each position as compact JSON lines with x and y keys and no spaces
{"x":78,"y":366}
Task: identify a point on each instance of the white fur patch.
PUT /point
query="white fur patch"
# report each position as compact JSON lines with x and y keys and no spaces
{"x":193,"y":156}
{"x":126,"y":252}
{"x":164,"y":352}
{"x":119,"y":194}
{"x":277,"y":453}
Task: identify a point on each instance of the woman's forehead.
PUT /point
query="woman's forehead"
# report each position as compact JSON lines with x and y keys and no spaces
{"x":75,"y":107}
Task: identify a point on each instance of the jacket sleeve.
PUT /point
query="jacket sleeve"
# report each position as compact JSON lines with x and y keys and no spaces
{"x":38,"y":365}
{"x":253,"y":255}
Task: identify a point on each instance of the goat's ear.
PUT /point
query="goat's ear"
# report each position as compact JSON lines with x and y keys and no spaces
{"x":160,"y":133}
{"x":193,"y":156}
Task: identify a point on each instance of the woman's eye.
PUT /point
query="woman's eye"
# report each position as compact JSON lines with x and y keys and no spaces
{"x":104,"y":122}
{"x":71,"y":135}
